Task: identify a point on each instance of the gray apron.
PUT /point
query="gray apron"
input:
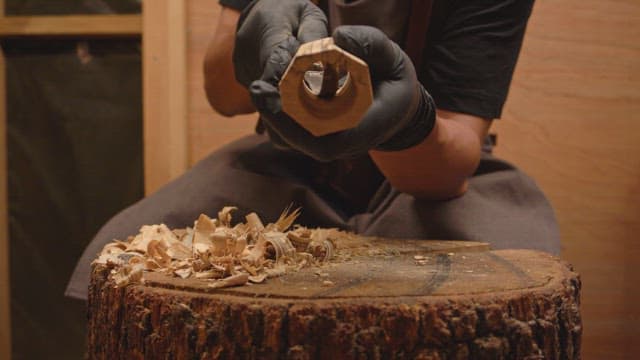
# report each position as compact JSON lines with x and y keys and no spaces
{"x":502,"y":206}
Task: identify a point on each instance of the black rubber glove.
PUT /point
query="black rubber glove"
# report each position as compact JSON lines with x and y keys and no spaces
{"x":266,"y":23}
{"x":401,"y":116}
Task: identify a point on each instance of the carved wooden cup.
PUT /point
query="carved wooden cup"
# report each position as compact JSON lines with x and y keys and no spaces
{"x":313,"y":95}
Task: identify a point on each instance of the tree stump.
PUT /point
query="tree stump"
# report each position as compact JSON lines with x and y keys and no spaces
{"x":413,"y":299}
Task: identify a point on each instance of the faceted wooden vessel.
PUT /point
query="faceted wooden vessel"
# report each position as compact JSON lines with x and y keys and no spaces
{"x":333,"y":107}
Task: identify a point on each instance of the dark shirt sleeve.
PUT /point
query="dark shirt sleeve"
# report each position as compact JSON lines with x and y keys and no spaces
{"x":236,"y":4}
{"x":472,"y":53}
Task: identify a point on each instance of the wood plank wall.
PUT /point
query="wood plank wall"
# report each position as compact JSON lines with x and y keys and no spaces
{"x":63,"y":25}
{"x":571,"y":121}
{"x":164,"y":86}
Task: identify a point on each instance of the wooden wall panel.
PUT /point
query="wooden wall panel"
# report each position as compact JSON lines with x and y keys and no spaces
{"x":572,"y":121}
{"x":64,"y":25}
{"x":164,"y":58}
{"x":207,"y":129}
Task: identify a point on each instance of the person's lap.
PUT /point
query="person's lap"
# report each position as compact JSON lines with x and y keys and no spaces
{"x":502,"y":206}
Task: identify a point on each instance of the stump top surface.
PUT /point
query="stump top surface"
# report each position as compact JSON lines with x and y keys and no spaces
{"x":398,"y":268}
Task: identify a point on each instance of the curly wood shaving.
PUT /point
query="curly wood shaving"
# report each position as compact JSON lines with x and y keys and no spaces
{"x":157,"y":250}
{"x":252,"y":270}
{"x":215,"y":252}
{"x":109,"y":259}
{"x":280,"y":244}
{"x":234,"y":280}
{"x":127,"y":274}
{"x":185,"y":236}
{"x":219,"y":243}
{"x":151,"y":264}
{"x":147,"y":234}
{"x":224,"y":216}
{"x":322,"y":250}
{"x":254,"y":254}
{"x":209,"y":274}
{"x":183,"y":273}
{"x":275,"y":272}
{"x":287,"y":219}
{"x":179,"y":251}
{"x":298,"y":240}
{"x":116,"y":247}
{"x":254,"y":222}
{"x":257,"y":279}
{"x":240,"y":245}
{"x":202,"y":230}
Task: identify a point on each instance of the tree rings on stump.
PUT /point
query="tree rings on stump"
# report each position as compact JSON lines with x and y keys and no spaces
{"x":412,"y":302}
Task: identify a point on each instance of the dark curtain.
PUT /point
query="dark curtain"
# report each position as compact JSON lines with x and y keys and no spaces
{"x":74,"y":127}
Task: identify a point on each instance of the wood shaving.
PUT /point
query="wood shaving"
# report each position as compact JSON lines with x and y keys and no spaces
{"x":234,"y":280}
{"x":127,"y":274}
{"x":257,"y":279}
{"x":219,"y":253}
{"x":287,"y":218}
{"x":183,"y":273}
{"x":254,"y":222}
{"x":224,"y":216}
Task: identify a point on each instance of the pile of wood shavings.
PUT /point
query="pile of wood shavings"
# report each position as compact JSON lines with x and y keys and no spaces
{"x":216,"y":252}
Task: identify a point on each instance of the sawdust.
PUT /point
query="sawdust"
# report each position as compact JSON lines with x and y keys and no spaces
{"x":223,"y":254}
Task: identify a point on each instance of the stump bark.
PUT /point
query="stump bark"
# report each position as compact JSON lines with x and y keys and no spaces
{"x":508,"y":304}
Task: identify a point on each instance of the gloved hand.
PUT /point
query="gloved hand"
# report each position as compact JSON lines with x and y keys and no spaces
{"x":266,"y":23}
{"x":402,"y":113}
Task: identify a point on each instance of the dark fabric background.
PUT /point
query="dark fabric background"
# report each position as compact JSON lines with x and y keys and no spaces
{"x":75,"y":158}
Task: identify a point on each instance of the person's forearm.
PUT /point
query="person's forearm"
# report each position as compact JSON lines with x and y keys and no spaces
{"x":438,"y":167}
{"x":224,"y":93}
